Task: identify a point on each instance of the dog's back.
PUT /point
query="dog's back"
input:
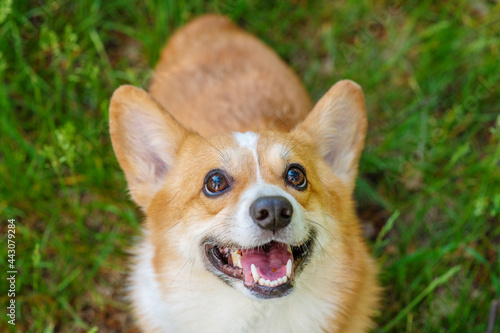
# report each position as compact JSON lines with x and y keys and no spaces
{"x":214,"y":77}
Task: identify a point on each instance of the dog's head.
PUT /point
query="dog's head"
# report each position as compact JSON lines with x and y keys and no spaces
{"x":251,"y":208}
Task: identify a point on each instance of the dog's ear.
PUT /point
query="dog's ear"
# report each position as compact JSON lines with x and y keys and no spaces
{"x":337,"y":125}
{"x":145,"y":140}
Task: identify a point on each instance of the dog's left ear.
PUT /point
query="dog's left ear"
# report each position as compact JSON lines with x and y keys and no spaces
{"x":337,"y":125}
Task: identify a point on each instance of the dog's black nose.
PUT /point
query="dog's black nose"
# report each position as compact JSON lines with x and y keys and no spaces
{"x":271,"y":213}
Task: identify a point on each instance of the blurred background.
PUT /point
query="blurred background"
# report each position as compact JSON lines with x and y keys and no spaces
{"x":429,"y":182}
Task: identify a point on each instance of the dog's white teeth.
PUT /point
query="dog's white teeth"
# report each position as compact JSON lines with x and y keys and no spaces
{"x":255,"y":274}
{"x":274,"y":283}
{"x":289,"y":268}
{"x":289,"y":248}
{"x":236,"y":258}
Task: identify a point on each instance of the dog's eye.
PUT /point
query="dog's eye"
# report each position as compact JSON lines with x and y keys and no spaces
{"x":215,"y":183}
{"x":296,"y":177}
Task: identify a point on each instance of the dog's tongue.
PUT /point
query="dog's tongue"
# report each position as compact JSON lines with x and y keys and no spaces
{"x":270,"y":261}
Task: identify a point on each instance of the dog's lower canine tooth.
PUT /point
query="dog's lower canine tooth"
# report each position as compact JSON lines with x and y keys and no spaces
{"x":255,"y":274}
{"x":289,"y":268}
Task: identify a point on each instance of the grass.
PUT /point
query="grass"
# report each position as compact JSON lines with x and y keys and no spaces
{"x":431,"y":166}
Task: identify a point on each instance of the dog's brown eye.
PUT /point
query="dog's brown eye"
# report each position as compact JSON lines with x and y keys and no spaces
{"x":215,"y":183}
{"x":295,"y":176}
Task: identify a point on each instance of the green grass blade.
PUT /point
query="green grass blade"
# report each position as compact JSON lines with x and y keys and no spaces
{"x":430,"y":288}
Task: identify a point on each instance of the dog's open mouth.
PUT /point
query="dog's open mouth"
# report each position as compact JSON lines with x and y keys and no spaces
{"x":267,"y":270}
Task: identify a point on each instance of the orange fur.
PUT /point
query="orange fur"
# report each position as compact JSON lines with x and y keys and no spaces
{"x":214,"y":79}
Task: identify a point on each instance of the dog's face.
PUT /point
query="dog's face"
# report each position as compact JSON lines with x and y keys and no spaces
{"x":251,"y":208}
{"x":248,"y":206}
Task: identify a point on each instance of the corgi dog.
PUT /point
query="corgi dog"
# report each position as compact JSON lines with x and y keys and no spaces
{"x":247,"y":191}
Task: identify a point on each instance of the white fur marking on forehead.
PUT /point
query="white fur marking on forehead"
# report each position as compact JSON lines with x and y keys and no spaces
{"x":249,"y":140}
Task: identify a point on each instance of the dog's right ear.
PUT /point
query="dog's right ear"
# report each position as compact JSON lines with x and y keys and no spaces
{"x":145,"y":140}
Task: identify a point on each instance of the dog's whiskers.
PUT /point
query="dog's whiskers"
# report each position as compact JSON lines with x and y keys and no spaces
{"x":179,"y":272}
